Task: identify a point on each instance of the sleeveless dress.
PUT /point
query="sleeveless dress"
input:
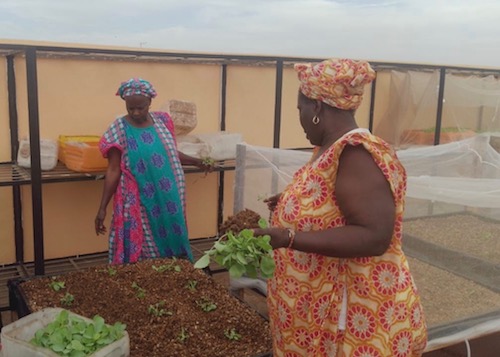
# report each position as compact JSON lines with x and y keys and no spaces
{"x":382,"y":314}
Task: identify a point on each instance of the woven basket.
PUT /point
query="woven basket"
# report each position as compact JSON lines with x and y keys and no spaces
{"x":183,"y":115}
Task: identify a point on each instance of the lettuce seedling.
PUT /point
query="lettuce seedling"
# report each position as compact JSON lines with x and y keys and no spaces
{"x":72,"y":336}
{"x":165,"y":267}
{"x":57,"y":285}
{"x":139,"y":292}
{"x":191,"y":285}
{"x":157,"y":309}
{"x":242,"y":254}
{"x":206,"y":305}
{"x":183,"y":335}
{"x":67,"y":299}
{"x":232,"y":334}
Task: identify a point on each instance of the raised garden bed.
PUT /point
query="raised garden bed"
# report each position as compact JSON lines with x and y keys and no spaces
{"x":170,"y":308}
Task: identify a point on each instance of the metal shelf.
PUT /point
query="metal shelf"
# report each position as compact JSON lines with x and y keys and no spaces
{"x":14,"y":175}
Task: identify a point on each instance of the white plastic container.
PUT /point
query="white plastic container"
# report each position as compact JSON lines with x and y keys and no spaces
{"x":48,"y":154}
{"x":222,"y":144}
{"x":16,"y":337}
{"x":218,"y":146}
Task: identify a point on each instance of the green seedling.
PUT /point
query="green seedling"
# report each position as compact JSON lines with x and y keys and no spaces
{"x":165,"y":267}
{"x":139,"y":292}
{"x":67,"y":299}
{"x":191,"y":285}
{"x":157,"y":309}
{"x":208,"y":161}
{"x":232,"y":335}
{"x":111,"y":271}
{"x":206,"y":305}
{"x":242,"y":254}
{"x":74,"y":337}
{"x":56,"y":285}
{"x":183,"y":335}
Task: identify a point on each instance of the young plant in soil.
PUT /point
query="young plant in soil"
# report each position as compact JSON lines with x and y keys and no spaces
{"x":139,"y":292}
{"x":167,"y":267}
{"x":232,"y":335}
{"x":72,"y":336}
{"x":56,"y":285}
{"x":183,"y":335}
{"x":191,"y":285}
{"x":158,"y":310}
{"x":111,"y":271}
{"x":67,"y":299}
{"x":242,"y":254}
{"x":206,"y":305}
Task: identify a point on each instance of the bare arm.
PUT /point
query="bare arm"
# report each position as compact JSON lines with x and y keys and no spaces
{"x":111,"y":180}
{"x":189,"y":160}
{"x":366,"y":201}
{"x":194,"y":161}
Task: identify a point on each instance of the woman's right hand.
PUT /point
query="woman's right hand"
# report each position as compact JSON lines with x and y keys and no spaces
{"x":272,"y":201}
{"x":100,"y":228}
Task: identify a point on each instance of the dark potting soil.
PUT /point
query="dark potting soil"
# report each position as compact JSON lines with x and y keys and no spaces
{"x":242,"y":220}
{"x":184,"y":329}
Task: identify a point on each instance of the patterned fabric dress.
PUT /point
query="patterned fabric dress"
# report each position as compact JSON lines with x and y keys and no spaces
{"x":384,"y":316}
{"x":149,"y":202}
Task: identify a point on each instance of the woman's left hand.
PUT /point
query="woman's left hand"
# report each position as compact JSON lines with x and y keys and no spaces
{"x":279,"y":236}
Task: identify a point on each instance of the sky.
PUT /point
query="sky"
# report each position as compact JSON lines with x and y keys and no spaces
{"x":449,"y":32}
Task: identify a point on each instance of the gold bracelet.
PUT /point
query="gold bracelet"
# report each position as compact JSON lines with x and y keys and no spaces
{"x":291,"y":238}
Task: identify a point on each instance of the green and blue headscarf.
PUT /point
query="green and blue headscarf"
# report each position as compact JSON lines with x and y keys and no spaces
{"x":136,"y":86}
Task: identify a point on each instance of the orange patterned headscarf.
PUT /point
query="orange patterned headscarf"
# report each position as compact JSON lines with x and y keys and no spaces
{"x":336,"y":82}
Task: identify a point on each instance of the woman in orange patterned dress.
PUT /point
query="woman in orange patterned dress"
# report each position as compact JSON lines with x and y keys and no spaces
{"x":342,"y":285}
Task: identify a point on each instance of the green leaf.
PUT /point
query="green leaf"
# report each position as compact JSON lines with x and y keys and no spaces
{"x":263,"y":243}
{"x":236,"y":270}
{"x":227,"y":260}
{"x":267,"y":266}
{"x":98,"y":323}
{"x":89,"y":331}
{"x":105,"y":341}
{"x":218,"y":259}
{"x":77,"y":345}
{"x":220,"y":247}
{"x":246,"y":233}
{"x":38,"y":335}
{"x":203,"y":262}
{"x":58,"y":347}
{"x":241,"y":258}
{"x":56,"y":338}
{"x":63,"y":316}
{"x":252,"y":272}
{"x":263,"y":223}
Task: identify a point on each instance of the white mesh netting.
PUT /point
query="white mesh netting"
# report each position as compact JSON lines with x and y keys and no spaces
{"x":471,"y":105}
